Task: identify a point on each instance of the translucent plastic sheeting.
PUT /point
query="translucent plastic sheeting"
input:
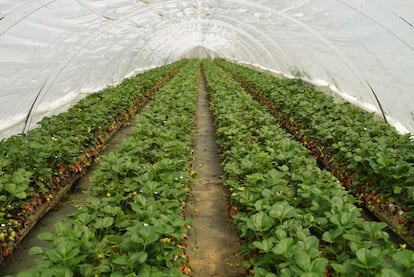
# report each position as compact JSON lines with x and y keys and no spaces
{"x":54,"y":52}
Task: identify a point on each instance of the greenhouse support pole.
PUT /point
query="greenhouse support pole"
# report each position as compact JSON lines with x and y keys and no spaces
{"x":379,"y":103}
{"x":32,"y":106}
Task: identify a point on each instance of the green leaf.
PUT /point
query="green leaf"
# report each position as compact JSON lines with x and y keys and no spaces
{"x":334,"y":218}
{"x":282,"y":211}
{"x":48,"y":236}
{"x":338,"y":268}
{"x":367,"y":258}
{"x":93,"y":201}
{"x":4,"y":162}
{"x":362,"y":255}
{"x":284,"y":168}
{"x":141,"y":200}
{"x":397,"y":189}
{"x":300,"y":234}
{"x":283,"y":247}
{"x":103,"y":222}
{"x":21,"y":178}
{"x":260,"y":222}
{"x":357,"y":158}
{"x":383,"y":159}
{"x":309,"y":218}
{"x":103,"y":268}
{"x":280,"y":234}
{"x":262,"y":272}
{"x":62,"y":271}
{"x":410,"y":191}
{"x":67,"y":249}
{"x":84,"y":218}
{"x":346,"y":219}
{"x":336,"y":232}
{"x":327,"y":237}
{"x":24,"y":274}
{"x":20,"y":195}
{"x":390,"y":272}
{"x":111,"y":210}
{"x":302,"y":259}
{"x":267,"y":193}
{"x":148,"y":234}
{"x":404,"y":257}
{"x":120,"y":260}
{"x":10,"y":188}
{"x":138,"y":257}
{"x":258,"y":205}
{"x":311,"y":245}
{"x":265,"y":245}
{"x":319,"y":265}
{"x":54,"y":255}
{"x":36,"y":250}
{"x":86,"y":269}
{"x":352,"y":237}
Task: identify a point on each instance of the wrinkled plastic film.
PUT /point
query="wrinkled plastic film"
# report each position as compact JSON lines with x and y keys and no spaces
{"x":68,"y":49}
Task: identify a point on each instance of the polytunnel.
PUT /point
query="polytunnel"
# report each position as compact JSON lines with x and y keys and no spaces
{"x":207,"y":138}
{"x":55,"y":52}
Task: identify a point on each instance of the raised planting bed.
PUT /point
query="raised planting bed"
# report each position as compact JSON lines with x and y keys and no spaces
{"x":368,"y":156}
{"x":294,"y":218}
{"x":132,"y":223}
{"x":38,"y":168}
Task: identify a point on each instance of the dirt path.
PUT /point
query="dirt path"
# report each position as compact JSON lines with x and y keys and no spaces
{"x":213,"y":240}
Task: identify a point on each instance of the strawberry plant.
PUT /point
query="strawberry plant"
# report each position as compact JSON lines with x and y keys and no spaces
{"x":36,"y":166}
{"x":132,"y":224}
{"x":367,"y":155}
{"x":294,"y":218}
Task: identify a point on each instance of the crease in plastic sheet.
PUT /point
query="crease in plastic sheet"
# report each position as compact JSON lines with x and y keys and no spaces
{"x":74,"y":47}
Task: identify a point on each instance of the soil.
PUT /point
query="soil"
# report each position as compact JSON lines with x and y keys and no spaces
{"x":213,"y":240}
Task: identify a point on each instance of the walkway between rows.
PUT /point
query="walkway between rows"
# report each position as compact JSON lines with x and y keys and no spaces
{"x":213,"y":240}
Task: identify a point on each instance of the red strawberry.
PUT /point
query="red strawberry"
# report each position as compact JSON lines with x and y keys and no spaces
{"x":185,"y":269}
{"x":374,"y":199}
{"x":62,"y":168}
{"x":77,"y":167}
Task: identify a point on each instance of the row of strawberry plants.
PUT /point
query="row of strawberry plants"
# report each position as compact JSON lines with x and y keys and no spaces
{"x":369,"y":156}
{"x":133,"y":225}
{"x":33,"y":167}
{"x":294,"y":219}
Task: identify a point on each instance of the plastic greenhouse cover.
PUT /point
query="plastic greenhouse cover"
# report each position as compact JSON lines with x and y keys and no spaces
{"x":54,"y":52}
